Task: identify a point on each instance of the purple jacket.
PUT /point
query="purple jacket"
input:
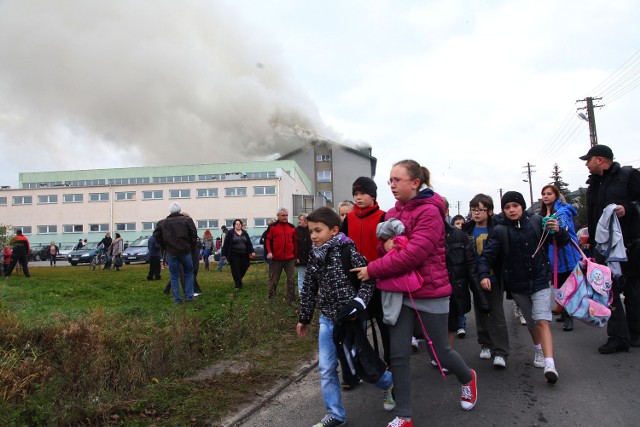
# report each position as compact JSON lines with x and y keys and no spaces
{"x":423,"y":218}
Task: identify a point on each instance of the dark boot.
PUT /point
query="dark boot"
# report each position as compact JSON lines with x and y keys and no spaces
{"x":568,"y":323}
{"x":613,"y":345}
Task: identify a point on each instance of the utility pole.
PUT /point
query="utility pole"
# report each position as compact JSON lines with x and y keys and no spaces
{"x":591,"y":118}
{"x":459,"y":201}
{"x":500,"y":190}
{"x":529,"y":171}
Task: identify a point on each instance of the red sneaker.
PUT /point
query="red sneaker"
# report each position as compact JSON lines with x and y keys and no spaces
{"x":401,"y":422}
{"x":469,"y":393}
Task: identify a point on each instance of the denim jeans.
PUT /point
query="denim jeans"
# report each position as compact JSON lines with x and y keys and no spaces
{"x":328,"y":368}
{"x":221,"y":263}
{"x":175,"y":261}
{"x":302,"y":270}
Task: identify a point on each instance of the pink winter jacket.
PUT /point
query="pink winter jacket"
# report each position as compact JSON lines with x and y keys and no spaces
{"x":423,"y":218}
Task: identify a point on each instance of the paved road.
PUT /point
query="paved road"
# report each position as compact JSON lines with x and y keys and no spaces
{"x":593,"y":389}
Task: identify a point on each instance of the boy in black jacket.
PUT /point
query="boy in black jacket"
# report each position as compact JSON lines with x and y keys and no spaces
{"x":518,"y":247}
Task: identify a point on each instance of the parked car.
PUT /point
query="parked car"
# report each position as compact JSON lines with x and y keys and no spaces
{"x":258,"y":248}
{"x":137,"y":251}
{"x":39,"y":252}
{"x":64,"y":250}
{"x":84,"y":255}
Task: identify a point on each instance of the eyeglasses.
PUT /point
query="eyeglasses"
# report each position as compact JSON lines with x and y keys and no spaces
{"x":478,"y":210}
{"x":396,"y":181}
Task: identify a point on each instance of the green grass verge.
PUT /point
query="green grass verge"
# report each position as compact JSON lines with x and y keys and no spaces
{"x":81,"y":347}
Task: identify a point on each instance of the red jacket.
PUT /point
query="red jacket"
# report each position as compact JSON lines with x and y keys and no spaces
{"x":281,"y":241}
{"x":360,"y":225}
{"x":423,"y":218}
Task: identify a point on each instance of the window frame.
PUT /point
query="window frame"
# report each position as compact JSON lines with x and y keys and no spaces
{"x":75,"y":230}
{"x":235,"y":191}
{"x":74,"y":196}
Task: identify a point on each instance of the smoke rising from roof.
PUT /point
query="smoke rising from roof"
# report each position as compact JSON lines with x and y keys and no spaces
{"x":160,"y":82}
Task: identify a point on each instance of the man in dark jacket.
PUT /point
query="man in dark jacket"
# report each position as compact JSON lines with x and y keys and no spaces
{"x":609,"y":183}
{"x":304,"y":248}
{"x":154,"y":259}
{"x":282,"y":250}
{"x":176,"y":234}
{"x":20,"y":250}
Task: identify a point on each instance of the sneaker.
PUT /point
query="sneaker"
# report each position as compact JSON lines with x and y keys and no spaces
{"x":523,"y":321}
{"x":469,"y":393}
{"x":196,"y":294}
{"x":461,"y":333}
{"x":499,"y":362}
{"x":435,"y":365}
{"x":550,"y":372}
{"x":401,"y":422}
{"x":415,"y":345}
{"x":329,"y":421}
{"x":485,"y":353}
{"x":517,"y":312}
{"x":538,"y":359}
{"x":389,"y":402}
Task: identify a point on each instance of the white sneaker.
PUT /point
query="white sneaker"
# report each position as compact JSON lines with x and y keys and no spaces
{"x":517,"y":312}
{"x":414,"y":344}
{"x":389,"y":402}
{"x":538,"y":359}
{"x":523,"y":321}
{"x":550,"y":372}
{"x":461,"y":333}
{"x":499,"y":362}
{"x":485,"y":353}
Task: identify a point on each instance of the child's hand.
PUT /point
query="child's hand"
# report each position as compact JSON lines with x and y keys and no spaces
{"x":388,"y":245}
{"x":485,"y":284}
{"x":301,"y":329}
{"x":552,"y":224}
{"x":362,"y":272}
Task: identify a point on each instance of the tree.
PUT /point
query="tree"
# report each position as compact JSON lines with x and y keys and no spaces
{"x":558,"y":182}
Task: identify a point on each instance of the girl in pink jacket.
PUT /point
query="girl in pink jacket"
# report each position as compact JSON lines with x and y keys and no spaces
{"x":423,"y":214}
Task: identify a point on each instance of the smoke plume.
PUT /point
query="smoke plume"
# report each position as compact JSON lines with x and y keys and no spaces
{"x":161,"y":82}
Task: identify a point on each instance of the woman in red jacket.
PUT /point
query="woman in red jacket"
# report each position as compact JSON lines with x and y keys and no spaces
{"x":423,"y":214}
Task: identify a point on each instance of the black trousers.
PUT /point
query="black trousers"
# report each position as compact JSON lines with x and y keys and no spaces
{"x":239,"y":265}
{"x":23,"y":263}
{"x":154,"y":268}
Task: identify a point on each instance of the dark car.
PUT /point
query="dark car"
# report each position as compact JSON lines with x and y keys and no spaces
{"x":137,"y":251}
{"x":84,"y":255}
{"x":258,"y":248}
{"x":39,"y":252}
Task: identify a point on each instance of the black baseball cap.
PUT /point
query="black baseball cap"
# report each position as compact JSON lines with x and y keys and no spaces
{"x":598,"y":151}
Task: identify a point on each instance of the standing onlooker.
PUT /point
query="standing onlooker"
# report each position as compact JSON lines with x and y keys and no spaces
{"x":207,"y":246}
{"x":263,"y":240}
{"x":515,"y":249}
{"x":492,"y":328}
{"x":237,"y":250}
{"x":422,"y":212}
{"x":610,"y":183}
{"x":304,"y":248}
{"x":177,"y":234}
{"x":221,"y":260}
{"x":554,"y":203}
{"x":282,"y":249}
{"x":458,"y":221}
{"x":115,"y":251}
{"x":79,"y":246}
{"x":54,"y":250}
{"x":6,"y":259}
{"x":344,"y":208}
{"x":20,"y":250}
{"x":155,"y":253}
{"x":105,"y":246}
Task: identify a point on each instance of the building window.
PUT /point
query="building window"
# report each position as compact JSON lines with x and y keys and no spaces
{"x":324,"y":176}
{"x":207,"y":192}
{"x":261,"y":222}
{"x":179,"y":194}
{"x":73,"y":198}
{"x":235,"y":191}
{"x":98,"y":197}
{"x":125,"y":226}
{"x":182,"y":178}
{"x":47,"y":199}
{"x":264,"y":191}
{"x":260,"y":175}
{"x":3,"y":201}
{"x":327,"y":195}
{"x":152,"y":195}
{"x":72,"y":228}
{"x":207,"y":223}
{"x":210,"y":177}
{"x":94,"y":228}
{"x":26,"y":229}
{"x":229,"y":222}
{"x":323,"y":157}
{"x":47,"y":229}
{"x":125,"y":195}
{"x":128,"y":181}
{"x":22,"y":200}
{"x":148,"y":226}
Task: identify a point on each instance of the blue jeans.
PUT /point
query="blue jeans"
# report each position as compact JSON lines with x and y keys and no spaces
{"x":175,"y":261}
{"x":302,"y":270}
{"x":328,"y":368}
{"x":221,"y":263}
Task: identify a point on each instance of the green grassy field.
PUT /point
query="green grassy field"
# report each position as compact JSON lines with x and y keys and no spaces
{"x":81,"y":347}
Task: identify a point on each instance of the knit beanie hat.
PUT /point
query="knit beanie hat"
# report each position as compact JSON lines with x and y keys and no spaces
{"x":175,"y":208}
{"x":365,"y":185}
{"x":513,"y":196}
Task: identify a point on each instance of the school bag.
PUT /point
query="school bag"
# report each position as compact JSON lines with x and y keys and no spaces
{"x":586,"y":295}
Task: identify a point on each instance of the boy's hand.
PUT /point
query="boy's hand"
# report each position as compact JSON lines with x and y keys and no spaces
{"x":301,"y":329}
{"x":362,"y":272}
{"x":486,"y":284}
{"x":388,"y":245}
